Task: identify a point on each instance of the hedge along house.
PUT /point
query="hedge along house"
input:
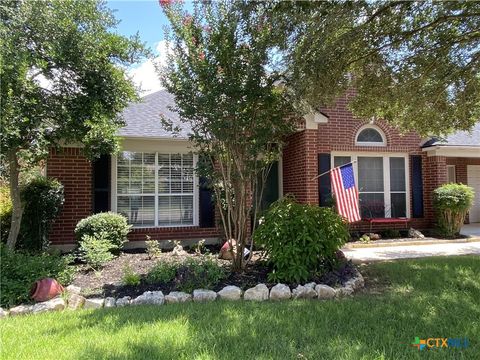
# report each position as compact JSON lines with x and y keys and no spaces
{"x":153,"y":182}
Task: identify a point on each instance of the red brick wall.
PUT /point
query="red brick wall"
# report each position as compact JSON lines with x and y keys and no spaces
{"x":300,"y":166}
{"x":339,"y":134}
{"x":74,"y":171}
{"x":461,"y":167}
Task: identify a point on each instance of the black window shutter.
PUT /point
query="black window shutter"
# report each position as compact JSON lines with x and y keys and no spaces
{"x":206,"y":204}
{"x":324,"y":186}
{"x":417,"y":186}
{"x":101,"y":184}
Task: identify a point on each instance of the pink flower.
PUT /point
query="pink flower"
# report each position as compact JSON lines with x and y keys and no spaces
{"x":165,"y":3}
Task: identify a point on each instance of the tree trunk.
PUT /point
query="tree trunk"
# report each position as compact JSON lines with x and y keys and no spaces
{"x":17,"y":206}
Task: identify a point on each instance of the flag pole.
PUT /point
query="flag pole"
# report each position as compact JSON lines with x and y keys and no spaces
{"x":326,"y":172}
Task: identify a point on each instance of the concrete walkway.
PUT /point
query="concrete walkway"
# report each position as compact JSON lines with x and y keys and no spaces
{"x":471,"y":230}
{"x":369,"y":254}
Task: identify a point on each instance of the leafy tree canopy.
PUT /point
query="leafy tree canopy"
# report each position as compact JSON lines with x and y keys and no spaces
{"x":220,"y":71}
{"x":62,"y":79}
{"x":415,"y":64}
{"x":63,"y":75}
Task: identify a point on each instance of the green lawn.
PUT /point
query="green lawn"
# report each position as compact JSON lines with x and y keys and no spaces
{"x":435,"y":297}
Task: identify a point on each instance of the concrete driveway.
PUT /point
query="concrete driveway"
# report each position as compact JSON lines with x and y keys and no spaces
{"x":369,"y":254}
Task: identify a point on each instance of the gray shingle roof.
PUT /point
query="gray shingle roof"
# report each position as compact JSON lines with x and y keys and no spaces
{"x":143,"y":118}
{"x":460,"y":138}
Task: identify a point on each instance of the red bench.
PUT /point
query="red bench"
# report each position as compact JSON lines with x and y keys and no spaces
{"x":372,"y":221}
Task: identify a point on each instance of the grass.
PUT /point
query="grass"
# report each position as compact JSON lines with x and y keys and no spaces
{"x":434,"y":297}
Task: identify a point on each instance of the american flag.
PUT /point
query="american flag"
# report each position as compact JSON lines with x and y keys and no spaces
{"x":346,"y":193}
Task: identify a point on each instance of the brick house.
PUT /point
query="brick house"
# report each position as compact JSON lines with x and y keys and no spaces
{"x":153,"y":183}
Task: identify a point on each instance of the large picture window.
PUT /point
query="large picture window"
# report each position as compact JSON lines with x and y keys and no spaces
{"x":156,"y":189}
{"x":382,"y":184}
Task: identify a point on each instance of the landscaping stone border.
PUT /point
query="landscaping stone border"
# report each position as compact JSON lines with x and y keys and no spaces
{"x":260,"y":292}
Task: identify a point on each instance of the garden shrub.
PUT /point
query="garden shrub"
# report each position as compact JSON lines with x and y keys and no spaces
{"x":452,"y":202}
{"x":153,"y":248}
{"x":96,"y":250}
{"x":43,"y":199}
{"x":201,"y":273}
{"x":162,"y":272}
{"x":5,"y":212}
{"x":112,"y":226}
{"x":300,"y":240}
{"x":20,"y":270}
{"x":130,"y":277}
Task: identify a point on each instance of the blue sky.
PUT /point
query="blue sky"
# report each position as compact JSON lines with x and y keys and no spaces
{"x":146,"y":18}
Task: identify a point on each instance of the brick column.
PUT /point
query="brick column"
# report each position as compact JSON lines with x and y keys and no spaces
{"x":434,"y":175}
{"x":300,"y":166}
{"x":74,"y":171}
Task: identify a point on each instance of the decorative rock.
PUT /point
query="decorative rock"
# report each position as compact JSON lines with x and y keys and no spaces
{"x":124,"y":301}
{"x":344,"y":291}
{"x":75,"y":301}
{"x":72,"y":289}
{"x":356,"y":283}
{"x":149,"y":298}
{"x":109,"y":302}
{"x":280,"y":292}
{"x":230,"y":293}
{"x":177,"y":297}
{"x":311,"y":285}
{"x":200,"y":295}
{"x":3,"y":313}
{"x":21,"y":310}
{"x":94,"y":303}
{"x":325,"y":292}
{"x":413,"y":233}
{"x":178,"y":250}
{"x":257,"y":293}
{"x":54,"y":304}
{"x":374,"y":236}
{"x":303,"y":292}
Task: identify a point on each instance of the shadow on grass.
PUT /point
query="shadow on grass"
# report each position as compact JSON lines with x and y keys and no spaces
{"x":428,"y":298}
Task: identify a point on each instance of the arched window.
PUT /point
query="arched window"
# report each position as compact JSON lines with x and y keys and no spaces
{"x":370,"y":136}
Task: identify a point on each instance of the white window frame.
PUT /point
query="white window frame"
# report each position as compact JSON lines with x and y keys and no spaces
{"x":370,"y":143}
{"x":114,"y":196}
{"x":454,"y":173}
{"x":386,"y":174}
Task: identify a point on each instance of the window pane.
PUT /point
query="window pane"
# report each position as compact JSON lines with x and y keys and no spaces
{"x":369,"y":135}
{"x":139,"y":210}
{"x":451,"y":178}
{"x":372,"y":205}
{"x":187,"y":209}
{"x":399,"y":204}
{"x":370,"y":174}
{"x":164,"y":210}
{"x":397,"y":174}
{"x":341,"y":160}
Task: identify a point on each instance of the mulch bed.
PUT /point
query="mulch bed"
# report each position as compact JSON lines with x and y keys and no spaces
{"x":108,"y":281}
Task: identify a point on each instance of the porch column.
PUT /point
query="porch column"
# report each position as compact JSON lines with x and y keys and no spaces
{"x":300,"y":166}
{"x":435,"y":174}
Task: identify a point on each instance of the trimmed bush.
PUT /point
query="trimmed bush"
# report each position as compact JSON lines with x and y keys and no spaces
{"x":5,"y":212}
{"x":112,"y":227}
{"x":202,"y":273}
{"x":43,"y":199}
{"x":300,"y":240}
{"x":162,"y":272}
{"x":20,"y":270}
{"x":452,"y":203}
{"x":96,"y":250}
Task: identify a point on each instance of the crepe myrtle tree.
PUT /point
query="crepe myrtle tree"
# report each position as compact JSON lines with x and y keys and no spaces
{"x":221,"y":73}
{"x":415,"y":64}
{"x":62,"y":79}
